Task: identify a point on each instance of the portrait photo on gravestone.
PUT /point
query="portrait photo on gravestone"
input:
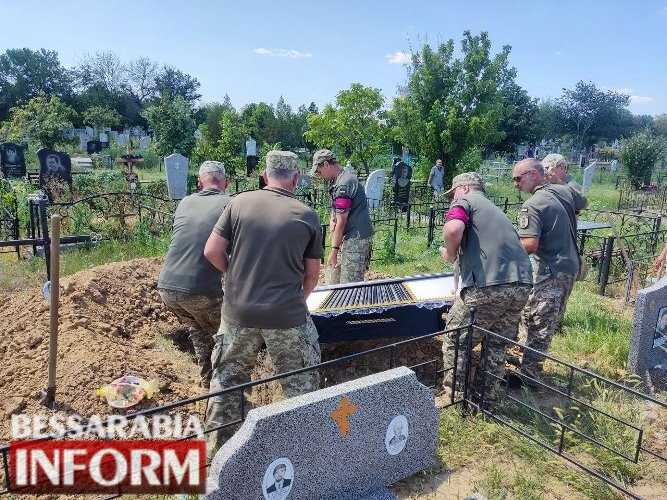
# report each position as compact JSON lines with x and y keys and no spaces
{"x":12,"y":159}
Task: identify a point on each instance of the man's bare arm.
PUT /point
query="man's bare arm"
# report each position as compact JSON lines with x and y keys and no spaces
{"x":530,"y":244}
{"x":452,"y":233}
{"x":311,"y":275}
{"x":215,"y":252}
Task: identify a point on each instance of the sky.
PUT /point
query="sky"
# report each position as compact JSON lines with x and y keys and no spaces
{"x":310,"y":50}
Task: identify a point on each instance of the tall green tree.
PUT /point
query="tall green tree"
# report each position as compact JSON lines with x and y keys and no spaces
{"x":172,"y":82}
{"x":586,"y":109}
{"x":101,"y":116}
{"x":519,"y":122}
{"x":352,"y":125}
{"x":451,"y":104}
{"x":660,"y":124}
{"x":26,"y":73}
{"x":42,"y":119}
{"x":173,"y":125}
{"x":639,"y":155}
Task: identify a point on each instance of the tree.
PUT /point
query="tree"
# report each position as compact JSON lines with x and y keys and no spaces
{"x":100,"y":117}
{"x":26,"y":73}
{"x":173,"y":125}
{"x":451,"y":105}
{"x":547,"y":120}
{"x":42,"y":118}
{"x":520,"y":113}
{"x":259,"y":121}
{"x":171,"y":82}
{"x":586,"y":107}
{"x":660,"y":125}
{"x":639,"y":154}
{"x":142,"y":74}
{"x":104,"y":70}
{"x":353,"y":124}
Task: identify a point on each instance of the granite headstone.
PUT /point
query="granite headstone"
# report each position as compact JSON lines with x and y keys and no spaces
{"x":123,"y":139}
{"x":12,"y":159}
{"x":144,"y":142}
{"x":93,"y":147}
{"x":347,"y":441}
{"x":589,"y":172}
{"x":375,"y":187}
{"x":648,"y":344}
{"x":176,"y":167}
{"x":53,"y":166}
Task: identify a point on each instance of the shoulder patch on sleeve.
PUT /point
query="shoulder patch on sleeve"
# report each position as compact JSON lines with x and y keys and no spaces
{"x":523,"y":218}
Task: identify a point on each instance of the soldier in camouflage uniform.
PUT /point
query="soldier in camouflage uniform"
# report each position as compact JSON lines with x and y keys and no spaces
{"x":555,"y":172}
{"x":547,"y":228}
{"x":189,"y":285}
{"x":495,"y":280}
{"x":270,"y":245}
{"x":350,"y":224}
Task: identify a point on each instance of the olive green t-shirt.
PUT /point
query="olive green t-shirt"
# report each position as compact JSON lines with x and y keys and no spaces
{"x":359,"y":223}
{"x":490,"y":252}
{"x":185,"y":268}
{"x":549,"y":214}
{"x":270,"y":234}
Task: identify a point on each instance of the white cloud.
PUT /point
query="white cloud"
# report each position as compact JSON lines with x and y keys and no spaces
{"x":558,"y":53}
{"x":640,"y":99}
{"x":290,"y":53}
{"x":398,"y":58}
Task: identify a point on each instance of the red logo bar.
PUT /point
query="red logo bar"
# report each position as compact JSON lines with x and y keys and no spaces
{"x":108,"y":466}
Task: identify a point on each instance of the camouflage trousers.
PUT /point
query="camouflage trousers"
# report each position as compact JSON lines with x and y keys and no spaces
{"x":541,"y":317}
{"x":201,"y":314}
{"x":352,"y":261}
{"x":234,"y":357}
{"x":497,"y":309}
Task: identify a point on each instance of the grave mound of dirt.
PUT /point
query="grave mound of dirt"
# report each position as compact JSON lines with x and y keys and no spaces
{"x":111,"y":324}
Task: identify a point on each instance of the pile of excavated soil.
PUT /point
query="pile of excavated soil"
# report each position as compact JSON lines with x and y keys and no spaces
{"x":113,"y":323}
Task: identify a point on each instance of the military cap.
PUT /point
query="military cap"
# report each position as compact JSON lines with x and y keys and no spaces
{"x":467,"y":179}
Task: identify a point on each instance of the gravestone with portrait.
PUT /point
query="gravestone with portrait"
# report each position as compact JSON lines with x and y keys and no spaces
{"x":12,"y":159}
{"x":401,"y":175}
{"x":374,"y":187}
{"x":176,"y":167}
{"x":648,"y":344}
{"x":55,"y":167}
{"x":374,"y":431}
{"x":589,"y":172}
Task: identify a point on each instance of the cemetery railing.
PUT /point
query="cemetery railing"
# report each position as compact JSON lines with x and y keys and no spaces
{"x":429,"y":372}
{"x":563,"y":427}
{"x":567,"y":425}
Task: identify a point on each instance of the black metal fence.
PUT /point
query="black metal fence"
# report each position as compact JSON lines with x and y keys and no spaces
{"x":559,"y":412}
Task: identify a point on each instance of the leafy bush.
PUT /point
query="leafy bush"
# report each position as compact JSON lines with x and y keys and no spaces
{"x":470,"y":161}
{"x":639,"y":155}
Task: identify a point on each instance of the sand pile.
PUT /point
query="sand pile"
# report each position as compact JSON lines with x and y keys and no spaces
{"x":112,"y":323}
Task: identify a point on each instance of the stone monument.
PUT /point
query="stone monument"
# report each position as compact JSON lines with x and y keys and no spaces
{"x":176,"y":167}
{"x":375,"y":187}
{"x":344,"y":442}
{"x":648,"y":344}
{"x":589,"y":172}
{"x":12,"y":159}
{"x":144,"y":142}
{"x":251,"y":155}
